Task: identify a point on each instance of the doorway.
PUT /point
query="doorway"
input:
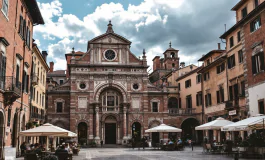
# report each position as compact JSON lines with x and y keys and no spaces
{"x":82,"y":133}
{"x":136,"y":131}
{"x":110,"y":133}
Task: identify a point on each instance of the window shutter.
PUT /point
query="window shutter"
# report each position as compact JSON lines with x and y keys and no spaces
{"x":179,"y":102}
{"x":24,"y":78}
{"x":234,"y":60}
{"x":24,"y":30}
{"x":254,"y":69}
{"x":210,"y":99}
{"x":218,"y":96}
{"x":21,"y":25}
{"x":1,"y":65}
{"x":190,"y":102}
{"x":222,"y":94}
{"x":17,"y":74}
{"x":27,"y":84}
{"x":197,"y":100}
{"x":206,"y":100}
{"x":228,"y":62}
{"x":262,"y":61}
{"x":236,"y":90}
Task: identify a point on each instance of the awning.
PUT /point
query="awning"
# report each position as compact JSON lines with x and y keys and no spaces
{"x":162,"y":128}
{"x":214,"y":125}
{"x":47,"y":130}
{"x":245,"y":124}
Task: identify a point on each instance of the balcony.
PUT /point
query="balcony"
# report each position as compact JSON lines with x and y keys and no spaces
{"x":181,"y":111}
{"x":110,"y":109}
{"x":35,"y":80}
{"x":232,"y":104}
{"x":12,"y":89}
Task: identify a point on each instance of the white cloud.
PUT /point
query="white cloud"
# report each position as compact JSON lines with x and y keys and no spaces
{"x":37,"y":42}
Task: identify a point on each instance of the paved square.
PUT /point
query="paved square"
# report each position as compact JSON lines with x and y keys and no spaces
{"x":147,"y":154}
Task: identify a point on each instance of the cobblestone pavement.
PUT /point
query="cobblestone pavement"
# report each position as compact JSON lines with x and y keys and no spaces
{"x":147,"y":154}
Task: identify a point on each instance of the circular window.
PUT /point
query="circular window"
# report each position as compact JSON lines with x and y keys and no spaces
{"x":135,"y":86}
{"x":110,"y":55}
{"x":82,"y":85}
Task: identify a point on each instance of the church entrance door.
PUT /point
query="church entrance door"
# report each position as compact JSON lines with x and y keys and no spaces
{"x":110,"y":133}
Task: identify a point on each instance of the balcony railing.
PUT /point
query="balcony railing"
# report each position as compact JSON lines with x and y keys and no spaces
{"x":232,"y":104}
{"x":37,"y":116}
{"x":12,"y":89}
{"x":35,"y":80}
{"x":106,"y":109}
{"x":181,"y":111}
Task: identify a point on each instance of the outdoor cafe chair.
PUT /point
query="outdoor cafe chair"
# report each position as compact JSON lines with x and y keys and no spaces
{"x":31,"y":156}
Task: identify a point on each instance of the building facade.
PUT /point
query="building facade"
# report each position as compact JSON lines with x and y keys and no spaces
{"x":107,"y":95}
{"x":39,"y":71}
{"x":17,"y":19}
{"x":245,"y":39}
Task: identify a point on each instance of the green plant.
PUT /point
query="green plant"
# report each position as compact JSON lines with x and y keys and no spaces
{"x":50,"y":157}
{"x":29,"y":125}
{"x":256,"y":140}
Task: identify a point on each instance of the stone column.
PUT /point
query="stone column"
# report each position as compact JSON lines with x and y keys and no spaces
{"x":97,"y":123}
{"x":124,"y":123}
{"x":119,"y":139}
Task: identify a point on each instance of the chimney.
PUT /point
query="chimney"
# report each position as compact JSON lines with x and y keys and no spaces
{"x":51,"y":66}
{"x":44,"y":55}
{"x":182,"y":64}
{"x":219,"y":46}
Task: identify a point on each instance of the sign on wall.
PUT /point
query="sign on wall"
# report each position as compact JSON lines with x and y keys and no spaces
{"x":233,"y":112}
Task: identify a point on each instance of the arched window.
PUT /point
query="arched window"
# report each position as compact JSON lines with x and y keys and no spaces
{"x":172,"y":55}
{"x":172,"y":102}
{"x":110,"y":98}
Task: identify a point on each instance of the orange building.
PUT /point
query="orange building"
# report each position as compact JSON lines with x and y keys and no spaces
{"x":17,"y":19}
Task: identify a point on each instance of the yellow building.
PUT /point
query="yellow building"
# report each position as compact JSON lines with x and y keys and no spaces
{"x":38,"y":86}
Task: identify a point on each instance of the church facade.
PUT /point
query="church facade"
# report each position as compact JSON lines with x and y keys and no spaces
{"x":108,"y":96}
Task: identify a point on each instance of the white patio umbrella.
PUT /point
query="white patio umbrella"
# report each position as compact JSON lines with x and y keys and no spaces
{"x":47,"y":130}
{"x":214,"y":125}
{"x":245,"y":124}
{"x":162,"y":128}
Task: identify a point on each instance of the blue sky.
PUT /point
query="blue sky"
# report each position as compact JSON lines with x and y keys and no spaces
{"x":192,"y":26}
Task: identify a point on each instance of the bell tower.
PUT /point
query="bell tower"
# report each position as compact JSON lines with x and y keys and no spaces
{"x":171,"y":59}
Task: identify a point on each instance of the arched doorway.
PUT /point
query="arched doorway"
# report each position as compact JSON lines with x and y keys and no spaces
{"x":82,"y":133}
{"x":14,"y":131}
{"x":110,"y":130}
{"x":136,"y":131}
{"x":188,"y":130}
{"x":2,"y":134}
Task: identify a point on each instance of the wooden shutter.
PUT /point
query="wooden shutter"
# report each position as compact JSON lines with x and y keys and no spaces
{"x":231,"y":93}
{"x":24,"y":30}
{"x":206,"y":100}
{"x":21,"y":25}
{"x":262,"y":61}
{"x":254,"y":68}
{"x":236,"y":90}
{"x":222,"y":94}
{"x":27,"y":84}
{"x":218,"y":96}
{"x":17,"y":75}
{"x":179,"y":102}
{"x":210,"y":99}
{"x":197,"y":99}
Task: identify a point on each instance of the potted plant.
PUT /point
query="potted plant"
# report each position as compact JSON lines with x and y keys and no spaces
{"x":29,"y":125}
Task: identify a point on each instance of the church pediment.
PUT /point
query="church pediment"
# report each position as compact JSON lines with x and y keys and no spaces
{"x":110,"y":38}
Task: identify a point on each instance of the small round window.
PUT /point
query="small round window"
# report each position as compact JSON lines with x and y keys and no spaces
{"x":135,"y":86}
{"x":82,"y":85}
